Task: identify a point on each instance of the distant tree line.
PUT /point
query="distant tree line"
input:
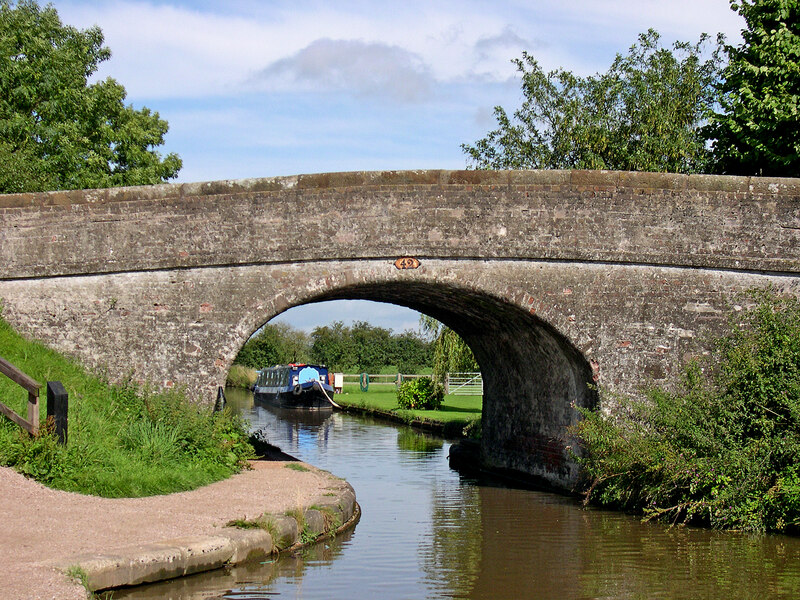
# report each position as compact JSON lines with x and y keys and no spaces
{"x":356,"y":348}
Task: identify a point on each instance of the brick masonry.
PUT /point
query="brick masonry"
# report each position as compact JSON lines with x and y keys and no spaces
{"x":556,"y":279}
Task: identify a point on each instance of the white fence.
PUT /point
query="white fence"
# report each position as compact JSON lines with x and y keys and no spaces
{"x":391,"y":379}
{"x":458,"y":384}
{"x":463,"y":384}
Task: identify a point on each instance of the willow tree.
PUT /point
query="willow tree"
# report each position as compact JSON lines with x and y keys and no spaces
{"x":450,"y":352}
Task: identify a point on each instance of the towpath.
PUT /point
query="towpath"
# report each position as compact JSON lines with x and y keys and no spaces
{"x":39,"y":526}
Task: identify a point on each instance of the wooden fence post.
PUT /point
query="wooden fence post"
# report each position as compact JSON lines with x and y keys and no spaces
{"x":33,"y":413}
{"x":57,"y":403}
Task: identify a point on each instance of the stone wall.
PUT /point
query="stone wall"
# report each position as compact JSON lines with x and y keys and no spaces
{"x":556,"y":279}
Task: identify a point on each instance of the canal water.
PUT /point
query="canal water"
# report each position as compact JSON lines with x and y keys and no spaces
{"x":428,"y":532}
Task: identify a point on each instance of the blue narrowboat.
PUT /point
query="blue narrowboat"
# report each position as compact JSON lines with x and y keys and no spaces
{"x":295,"y":386}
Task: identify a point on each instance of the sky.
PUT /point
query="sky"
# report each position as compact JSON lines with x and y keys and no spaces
{"x":262,"y":88}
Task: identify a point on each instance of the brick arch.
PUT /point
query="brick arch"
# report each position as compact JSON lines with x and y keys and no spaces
{"x":530,"y":369}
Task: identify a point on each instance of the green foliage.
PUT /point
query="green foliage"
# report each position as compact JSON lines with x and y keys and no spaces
{"x":241,"y":377}
{"x":420,"y":393}
{"x":757,"y":130}
{"x":644,"y":114}
{"x":58,"y":131}
{"x":366,"y":348}
{"x":358,"y":348}
{"x":123,"y":440}
{"x":722,"y":449}
{"x":275,"y":344}
{"x":450,"y":352}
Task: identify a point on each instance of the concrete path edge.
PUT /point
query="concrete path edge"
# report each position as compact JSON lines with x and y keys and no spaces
{"x":328,"y":515}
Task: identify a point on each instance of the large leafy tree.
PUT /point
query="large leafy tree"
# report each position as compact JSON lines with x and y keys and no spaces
{"x":275,"y":343}
{"x":757,"y":130}
{"x":645,"y":113}
{"x":57,"y":130}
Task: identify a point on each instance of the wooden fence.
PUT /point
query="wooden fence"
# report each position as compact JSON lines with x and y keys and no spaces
{"x":31,"y":424}
{"x":57,"y":403}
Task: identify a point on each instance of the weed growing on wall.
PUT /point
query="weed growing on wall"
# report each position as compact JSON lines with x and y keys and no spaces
{"x":724,"y":448}
{"x":124,"y":440}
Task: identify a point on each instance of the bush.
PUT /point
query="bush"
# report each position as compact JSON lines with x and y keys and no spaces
{"x":723,"y":449}
{"x":420,"y":394}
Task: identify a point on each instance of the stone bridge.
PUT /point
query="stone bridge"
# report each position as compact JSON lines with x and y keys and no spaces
{"x":556,"y":279}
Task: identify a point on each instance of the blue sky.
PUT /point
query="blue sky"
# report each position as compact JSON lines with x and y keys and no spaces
{"x":259,"y":88}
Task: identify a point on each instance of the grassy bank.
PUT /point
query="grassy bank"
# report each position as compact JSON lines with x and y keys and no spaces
{"x":456,"y":413}
{"x":123,"y":440}
{"x":241,"y":377}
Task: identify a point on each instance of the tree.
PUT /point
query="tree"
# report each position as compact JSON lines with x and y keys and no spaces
{"x":645,"y":114}
{"x":410,"y":352}
{"x":450,"y":352}
{"x":332,"y":345}
{"x":364,"y":347}
{"x":58,"y":131}
{"x":757,"y":129}
{"x":275,"y":344}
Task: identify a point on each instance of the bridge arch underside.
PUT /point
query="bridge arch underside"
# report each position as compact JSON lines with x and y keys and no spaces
{"x":534,"y":378}
{"x":535,"y":327}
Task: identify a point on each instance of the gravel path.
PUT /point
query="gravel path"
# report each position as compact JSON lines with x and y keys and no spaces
{"x":38,"y":524}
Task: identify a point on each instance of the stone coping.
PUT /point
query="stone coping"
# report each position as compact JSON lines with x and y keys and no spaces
{"x":329,"y":515}
{"x":430,"y":177}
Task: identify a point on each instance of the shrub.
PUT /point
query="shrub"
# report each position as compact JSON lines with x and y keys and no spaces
{"x":420,"y":394}
{"x":723,"y":448}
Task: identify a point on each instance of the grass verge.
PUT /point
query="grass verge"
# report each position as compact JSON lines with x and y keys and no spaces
{"x":124,"y":440}
{"x":455,"y":414}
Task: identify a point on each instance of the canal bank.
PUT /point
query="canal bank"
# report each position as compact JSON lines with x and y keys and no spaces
{"x":445,"y":429}
{"x":126,"y":541}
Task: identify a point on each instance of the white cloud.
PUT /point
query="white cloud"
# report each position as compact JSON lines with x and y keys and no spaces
{"x":365,"y":68}
{"x":177,"y":49}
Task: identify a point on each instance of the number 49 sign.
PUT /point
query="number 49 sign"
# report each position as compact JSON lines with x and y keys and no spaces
{"x":406,"y":262}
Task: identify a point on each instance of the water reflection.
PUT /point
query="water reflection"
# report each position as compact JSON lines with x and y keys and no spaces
{"x":419,"y":445}
{"x":427,"y":532}
{"x":249,"y":581}
{"x":297,"y":431}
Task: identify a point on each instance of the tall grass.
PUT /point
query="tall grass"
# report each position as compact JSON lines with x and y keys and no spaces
{"x":241,"y":376}
{"x":124,"y":440}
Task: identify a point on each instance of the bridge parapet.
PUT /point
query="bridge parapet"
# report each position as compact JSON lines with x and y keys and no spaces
{"x":700,"y":221}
